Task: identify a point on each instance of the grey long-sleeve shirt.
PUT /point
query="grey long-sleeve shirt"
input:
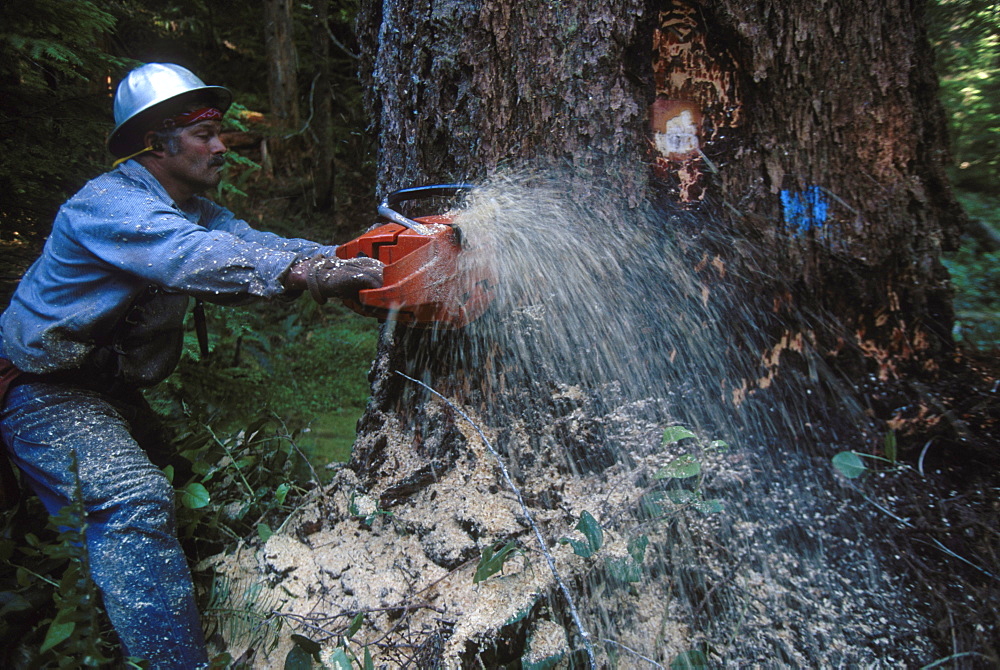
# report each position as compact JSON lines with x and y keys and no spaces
{"x":118,"y":236}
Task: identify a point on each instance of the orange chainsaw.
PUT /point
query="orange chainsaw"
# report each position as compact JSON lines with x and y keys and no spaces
{"x":424,"y":282}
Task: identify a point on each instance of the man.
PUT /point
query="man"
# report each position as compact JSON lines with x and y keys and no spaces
{"x":99,"y":316}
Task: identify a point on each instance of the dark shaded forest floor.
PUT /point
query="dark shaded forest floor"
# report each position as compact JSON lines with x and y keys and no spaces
{"x":948,"y":528}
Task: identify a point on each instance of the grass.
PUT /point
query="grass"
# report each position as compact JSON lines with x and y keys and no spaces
{"x":303,"y":364}
{"x":330,"y":437}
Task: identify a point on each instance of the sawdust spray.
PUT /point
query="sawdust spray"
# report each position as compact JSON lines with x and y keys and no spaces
{"x":611,"y":330}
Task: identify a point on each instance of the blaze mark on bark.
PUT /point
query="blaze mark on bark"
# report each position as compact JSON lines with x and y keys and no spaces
{"x":696,"y":98}
{"x":804,"y":210}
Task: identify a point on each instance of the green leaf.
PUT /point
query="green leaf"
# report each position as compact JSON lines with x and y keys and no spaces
{"x":340,"y":660}
{"x":169,"y":472}
{"x":298,"y":659}
{"x":624,"y":569}
{"x":492,"y":562}
{"x":849,"y":464}
{"x":58,"y":631}
{"x":12,"y":602}
{"x":220,"y":661}
{"x":548,"y":663}
{"x":520,"y":614}
{"x":309,"y":646}
{"x":690,"y":660}
{"x":713,"y":506}
{"x":264,"y":532}
{"x":637,"y":548}
{"x":281,"y":493}
{"x":651,"y":503}
{"x":302,"y":653}
{"x":681,"y":496}
{"x":681,"y":467}
{"x":674,"y":434}
{"x":355,"y":626}
{"x":195,"y":496}
{"x":890,"y":446}
{"x":591,"y":531}
{"x":368,"y":664}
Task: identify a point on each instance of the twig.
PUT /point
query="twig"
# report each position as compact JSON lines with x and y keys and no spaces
{"x":288,"y":436}
{"x":527,"y":515}
{"x":232,"y":459}
{"x":633,"y":652}
{"x":933,"y":541}
{"x":304,"y":622}
{"x":951,"y":553}
{"x":305,"y":126}
{"x":340,"y":45}
{"x":942,"y":661}
{"x":405,"y":608}
{"x":920,"y":461}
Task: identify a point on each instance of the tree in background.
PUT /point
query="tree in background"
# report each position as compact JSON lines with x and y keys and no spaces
{"x":968,"y":59}
{"x":55,"y":87}
{"x":965,"y":35}
{"x":282,"y":71}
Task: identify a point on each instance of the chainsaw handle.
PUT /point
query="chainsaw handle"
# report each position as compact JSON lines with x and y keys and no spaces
{"x":420,"y":192}
{"x":386,"y":210}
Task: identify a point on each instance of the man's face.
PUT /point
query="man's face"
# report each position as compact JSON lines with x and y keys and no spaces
{"x":200,"y":156}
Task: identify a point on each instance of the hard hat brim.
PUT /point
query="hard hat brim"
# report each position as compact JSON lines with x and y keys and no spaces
{"x":126,"y":138}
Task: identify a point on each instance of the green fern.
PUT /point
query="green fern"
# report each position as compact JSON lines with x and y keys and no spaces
{"x":243,"y":613}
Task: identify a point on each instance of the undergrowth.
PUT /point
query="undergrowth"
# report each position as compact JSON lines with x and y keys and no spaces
{"x":239,"y":422}
{"x":975,"y":275}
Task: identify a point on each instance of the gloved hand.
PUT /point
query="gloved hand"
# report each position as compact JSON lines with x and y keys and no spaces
{"x":334,"y":277}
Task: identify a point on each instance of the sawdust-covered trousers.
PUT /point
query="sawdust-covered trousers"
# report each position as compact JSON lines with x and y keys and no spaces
{"x":135,"y":557}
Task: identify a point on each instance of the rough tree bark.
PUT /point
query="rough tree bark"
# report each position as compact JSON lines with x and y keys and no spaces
{"x":817,"y":130}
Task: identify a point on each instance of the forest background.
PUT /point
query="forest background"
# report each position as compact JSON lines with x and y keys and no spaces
{"x":302,"y":164}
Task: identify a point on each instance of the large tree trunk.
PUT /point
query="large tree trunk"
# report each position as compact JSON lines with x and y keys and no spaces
{"x":734,"y":211}
{"x":322,"y":97}
{"x":279,"y":41}
{"x":819,"y":137}
{"x":794,"y":154}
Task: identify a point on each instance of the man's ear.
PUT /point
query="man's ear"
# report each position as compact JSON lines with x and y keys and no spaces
{"x":149,"y":140}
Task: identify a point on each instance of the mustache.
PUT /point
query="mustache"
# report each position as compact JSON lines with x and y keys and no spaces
{"x":217,"y":161}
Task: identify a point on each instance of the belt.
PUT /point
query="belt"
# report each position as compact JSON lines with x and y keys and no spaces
{"x":87,"y":378}
{"x":8,"y":373}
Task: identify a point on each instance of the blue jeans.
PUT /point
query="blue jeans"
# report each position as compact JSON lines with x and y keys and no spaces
{"x":135,"y":558}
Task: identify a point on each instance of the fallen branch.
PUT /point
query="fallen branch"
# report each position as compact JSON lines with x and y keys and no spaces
{"x":633,"y":652}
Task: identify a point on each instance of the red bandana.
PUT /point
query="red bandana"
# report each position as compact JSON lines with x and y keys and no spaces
{"x":192,"y":117}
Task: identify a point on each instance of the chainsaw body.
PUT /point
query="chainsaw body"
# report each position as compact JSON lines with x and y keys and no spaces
{"x":426,"y":279}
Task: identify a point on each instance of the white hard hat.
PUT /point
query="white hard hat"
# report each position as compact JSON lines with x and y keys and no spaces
{"x":145,"y":93}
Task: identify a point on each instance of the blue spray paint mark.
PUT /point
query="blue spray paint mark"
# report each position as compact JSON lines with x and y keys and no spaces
{"x":804,"y":210}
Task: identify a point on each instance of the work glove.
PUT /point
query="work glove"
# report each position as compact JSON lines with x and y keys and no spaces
{"x":334,"y":277}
